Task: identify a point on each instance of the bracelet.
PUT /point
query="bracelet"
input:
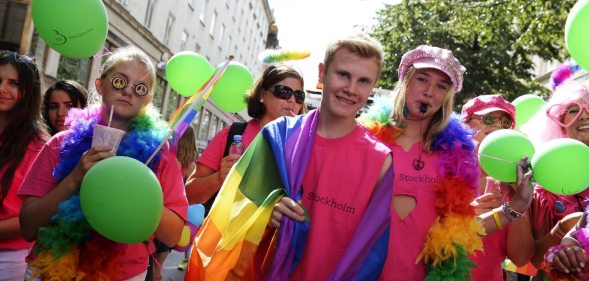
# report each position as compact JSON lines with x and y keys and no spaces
{"x":497,"y":221}
{"x":556,"y":233}
{"x":510,"y":213}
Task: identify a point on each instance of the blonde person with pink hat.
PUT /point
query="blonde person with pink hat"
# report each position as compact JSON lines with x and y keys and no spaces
{"x":486,"y":114}
{"x":434,"y":227}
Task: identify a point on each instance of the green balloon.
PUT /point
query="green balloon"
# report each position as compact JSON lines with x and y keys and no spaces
{"x":525,"y":107}
{"x":75,"y":29}
{"x":576,"y":33}
{"x":187,"y":71}
{"x":122,"y":199}
{"x":560,"y":166}
{"x":232,"y":87}
{"x":500,"y":152}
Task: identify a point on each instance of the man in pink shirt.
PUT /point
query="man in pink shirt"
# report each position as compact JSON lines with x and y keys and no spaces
{"x":346,"y":162}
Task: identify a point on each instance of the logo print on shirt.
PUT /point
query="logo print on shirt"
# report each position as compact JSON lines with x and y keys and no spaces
{"x":331,"y":203}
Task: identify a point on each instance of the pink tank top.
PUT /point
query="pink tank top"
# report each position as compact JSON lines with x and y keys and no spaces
{"x":408,"y":235}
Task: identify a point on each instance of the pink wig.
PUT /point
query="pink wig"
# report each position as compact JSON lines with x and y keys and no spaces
{"x":540,"y":128}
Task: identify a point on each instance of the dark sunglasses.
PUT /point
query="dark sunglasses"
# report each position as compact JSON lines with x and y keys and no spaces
{"x":18,"y":57}
{"x":120,"y":83}
{"x":285,"y":92}
{"x":489,"y":120}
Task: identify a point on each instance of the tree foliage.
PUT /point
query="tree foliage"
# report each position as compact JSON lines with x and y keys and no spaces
{"x":495,"y":40}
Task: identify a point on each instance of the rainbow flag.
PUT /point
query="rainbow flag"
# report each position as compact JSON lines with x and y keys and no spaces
{"x":226,"y":247}
{"x":184,"y":115}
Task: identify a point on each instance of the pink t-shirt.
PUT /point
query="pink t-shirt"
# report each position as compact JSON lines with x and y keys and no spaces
{"x":213,"y":154}
{"x":135,"y":260}
{"x":10,"y":208}
{"x":339,"y":181}
{"x":488,"y":262}
{"x":408,"y":235}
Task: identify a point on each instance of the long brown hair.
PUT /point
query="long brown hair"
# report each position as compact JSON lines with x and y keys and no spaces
{"x":187,"y":151}
{"x":24,"y":122}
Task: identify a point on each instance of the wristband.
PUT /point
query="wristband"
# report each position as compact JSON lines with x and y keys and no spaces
{"x":497,"y":221}
{"x":556,"y":233}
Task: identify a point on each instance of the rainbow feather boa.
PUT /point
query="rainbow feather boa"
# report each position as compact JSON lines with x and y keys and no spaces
{"x":456,"y":232}
{"x":69,"y":249}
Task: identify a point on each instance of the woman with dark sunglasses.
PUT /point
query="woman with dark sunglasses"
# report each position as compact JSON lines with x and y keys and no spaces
{"x":58,"y":100}
{"x":279,"y":91}
{"x":565,"y":115}
{"x":486,"y":114}
{"x":22,"y":135}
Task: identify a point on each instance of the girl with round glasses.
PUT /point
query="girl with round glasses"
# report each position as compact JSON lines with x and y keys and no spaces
{"x":67,"y":248}
{"x":278,"y":92}
{"x":22,"y":134}
{"x":486,"y":114}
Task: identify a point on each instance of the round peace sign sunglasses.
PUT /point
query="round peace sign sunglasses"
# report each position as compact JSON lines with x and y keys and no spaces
{"x":489,"y":120}
{"x":119,"y":83}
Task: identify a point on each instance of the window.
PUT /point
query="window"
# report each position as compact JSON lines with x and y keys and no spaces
{"x":221,"y":30}
{"x":149,"y":12}
{"x":228,"y":46}
{"x":212,"y":28}
{"x":173,"y":103}
{"x":11,"y":24}
{"x":213,"y":127}
{"x":74,"y":69}
{"x":158,"y":92}
{"x":183,"y":39}
{"x":204,"y":125}
{"x":168,"y":31}
{"x":203,"y":11}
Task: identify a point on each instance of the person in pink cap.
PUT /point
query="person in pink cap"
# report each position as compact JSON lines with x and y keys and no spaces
{"x":486,"y":114}
{"x":434,"y":227}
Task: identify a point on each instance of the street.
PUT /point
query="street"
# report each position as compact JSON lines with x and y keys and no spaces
{"x":171,"y":272}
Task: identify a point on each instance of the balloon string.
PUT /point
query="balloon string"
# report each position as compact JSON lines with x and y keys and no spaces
{"x":157,"y":263}
{"x":497,"y":158}
{"x":103,"y":52}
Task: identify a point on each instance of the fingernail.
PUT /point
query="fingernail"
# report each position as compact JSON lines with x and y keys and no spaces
{"x":566,"y":271}
{"x":582,"y":264}
{"x":578,"y":269}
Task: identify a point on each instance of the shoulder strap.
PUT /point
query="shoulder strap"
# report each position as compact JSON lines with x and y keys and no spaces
{"x":237,"y":128}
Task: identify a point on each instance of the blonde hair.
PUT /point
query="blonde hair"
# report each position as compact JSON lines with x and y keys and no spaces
{"x":128,"y":53}
{"x":359,"y":44}
{"x":440,"y":119}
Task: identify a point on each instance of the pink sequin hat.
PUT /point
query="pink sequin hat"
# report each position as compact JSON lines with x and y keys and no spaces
{"x":484,"y":104}
{"x":433,"y":57}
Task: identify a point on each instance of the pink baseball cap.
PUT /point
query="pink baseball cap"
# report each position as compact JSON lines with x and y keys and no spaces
{"x":484,"y":104}
{"x":433,"y":57}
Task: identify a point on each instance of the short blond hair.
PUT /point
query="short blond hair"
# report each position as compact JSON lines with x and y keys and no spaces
{"x":359,"y":44}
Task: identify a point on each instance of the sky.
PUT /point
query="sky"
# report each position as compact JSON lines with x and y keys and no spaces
{"x":309,"y":25}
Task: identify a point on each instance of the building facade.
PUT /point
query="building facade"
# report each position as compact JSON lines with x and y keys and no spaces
{"x":161,"y":28}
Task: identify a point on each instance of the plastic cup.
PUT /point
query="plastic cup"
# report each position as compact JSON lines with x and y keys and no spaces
{"x":107,"y":136}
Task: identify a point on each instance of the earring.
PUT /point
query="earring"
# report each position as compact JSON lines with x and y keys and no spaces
{"x":262,"y":100}
{"x":405,"y":111}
